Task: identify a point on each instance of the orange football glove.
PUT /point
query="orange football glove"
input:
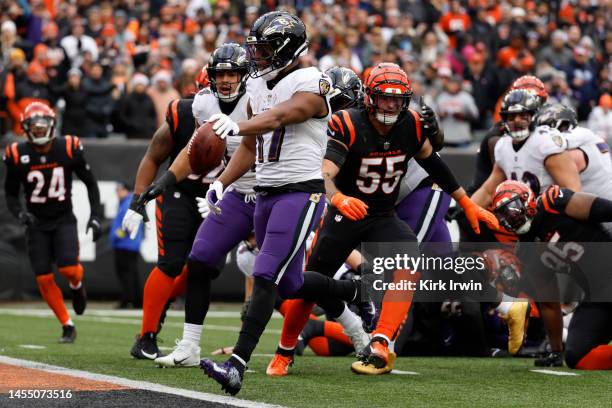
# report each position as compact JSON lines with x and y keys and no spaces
{"x":475,"y":213}
{"x":352,"y":208}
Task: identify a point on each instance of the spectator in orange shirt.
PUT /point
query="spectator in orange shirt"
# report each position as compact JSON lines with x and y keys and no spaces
{"x":516,"y":55}
{"x":455,"y":23}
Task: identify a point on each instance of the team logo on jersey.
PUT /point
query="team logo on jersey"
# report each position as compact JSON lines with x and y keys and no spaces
{"x":558,"y":141}
{"x":25,"y":159}
{"x":338,"y":218}
{"x":43,"y":159}
{"x":324,"y":86}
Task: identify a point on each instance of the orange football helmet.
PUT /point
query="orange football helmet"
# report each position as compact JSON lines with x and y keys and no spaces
{"x":38,"y":123}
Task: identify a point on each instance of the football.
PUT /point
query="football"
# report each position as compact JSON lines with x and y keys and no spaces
{"x":205,"y":149}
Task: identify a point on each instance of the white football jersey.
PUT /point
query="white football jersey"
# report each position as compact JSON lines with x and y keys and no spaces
{"x":596,"y":178}
{"x":206,"y":104}
{"x":414,"y":176}
{"x":292,"y":154}
{"x":527,"y":164}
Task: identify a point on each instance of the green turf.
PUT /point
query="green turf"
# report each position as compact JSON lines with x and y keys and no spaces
{"x":103,"y":347}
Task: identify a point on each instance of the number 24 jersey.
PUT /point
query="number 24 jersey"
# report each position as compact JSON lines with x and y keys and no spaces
{"x":46,"y":177}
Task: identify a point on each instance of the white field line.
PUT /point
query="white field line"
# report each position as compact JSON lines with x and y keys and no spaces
{"x":117,"y":320}
{"x":553,"y":372}
{"x":32,"y":346}
{"x":400,"y":372}
{"x":141,"y":385}
{"x":124,"y":313}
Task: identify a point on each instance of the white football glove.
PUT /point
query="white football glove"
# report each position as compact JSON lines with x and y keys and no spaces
{"x":213,"y":196}
{"x":223,"y":125}
{"x":203,"y":207}
{"x":131,"y":222}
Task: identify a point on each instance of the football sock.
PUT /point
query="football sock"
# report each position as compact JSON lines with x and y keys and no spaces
{"x":192,"y":332}
{"x":599,"y":358}
{"x":197,"y":298}
{"x":333,"y":330}
{"x":395,"y":306}
{"x":296,"y":316}
{"x":282,"y":307}
{"x":180,"y":284}
{"x":256,"y":319}
{"x":53,"y":296}
{"x":349,"y":320}
{"x":74,"y":274}
{"x":157,"y":291}
{"x":505,"y":304}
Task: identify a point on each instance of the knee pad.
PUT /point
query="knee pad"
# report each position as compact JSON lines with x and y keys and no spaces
{"x":171,"y":267}
{"x":197,"y":269}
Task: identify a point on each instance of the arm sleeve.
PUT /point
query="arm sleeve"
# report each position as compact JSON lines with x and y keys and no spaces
{"x":337,"y":143}
{"x":11,"y":185}
{"x":83,"y":171}
{"x":601,"y":210}
{"x":555,"y":199}
{"x":439,"y":173}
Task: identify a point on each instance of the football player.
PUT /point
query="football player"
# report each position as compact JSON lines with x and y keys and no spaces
{"x":367,"y":153}
{"x":177,"y":220}
{"x":567,"y":221}
{"x":44,"y":165}
{"x":590,"y":152}
{"x":233,"y":222}
{"x":535,"y":155}
{"x":285,"y":138}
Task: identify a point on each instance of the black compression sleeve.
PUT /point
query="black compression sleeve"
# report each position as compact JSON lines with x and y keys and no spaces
{"x":601,"y":210}
{"x":93,"y":193}
{"x":336,"y":152}
{"x":439,"y":173}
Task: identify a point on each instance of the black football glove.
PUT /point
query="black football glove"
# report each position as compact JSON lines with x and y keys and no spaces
{"x":95,"y":225}
{"x":453,"y":213}
{"x":552,"y":359}
{"x":431,"y":129}
{"x":27,"y":218}
{"x":152,"y":192}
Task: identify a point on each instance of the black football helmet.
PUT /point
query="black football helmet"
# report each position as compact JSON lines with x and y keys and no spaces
{"x":519,"y":101}
{"x":276,"y":40}
{"x":563,"y":118}
{"x":228,"y":57}
{"x":347,"y":88}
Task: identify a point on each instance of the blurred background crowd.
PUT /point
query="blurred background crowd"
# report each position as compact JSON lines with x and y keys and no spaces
{"x":111,"y":67}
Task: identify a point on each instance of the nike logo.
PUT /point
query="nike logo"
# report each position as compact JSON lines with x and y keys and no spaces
{"x":219,"y":370}
{"x":149,"y":356}
{"x":560,"y":193}
{"x":179,"y":361}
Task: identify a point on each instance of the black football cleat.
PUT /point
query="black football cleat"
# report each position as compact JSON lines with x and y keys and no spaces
{"x":79,"y":300}
{"x":552,"y":359}
{"x":145,"y":347}
{"x":68,"y":334}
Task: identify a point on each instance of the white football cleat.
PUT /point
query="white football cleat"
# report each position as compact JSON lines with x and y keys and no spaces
{"x":185,"y":354}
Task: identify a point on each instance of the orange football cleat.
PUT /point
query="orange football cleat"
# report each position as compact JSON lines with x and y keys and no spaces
{"x":279,"y":366}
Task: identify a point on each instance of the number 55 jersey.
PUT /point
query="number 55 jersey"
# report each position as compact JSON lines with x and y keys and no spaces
{"x":372,"y":166}
{"x":46,"y":177}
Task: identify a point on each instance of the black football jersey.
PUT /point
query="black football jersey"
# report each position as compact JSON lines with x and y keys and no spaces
{"x":46,"y":177}
{"x":182,"y":124}
{"x":578,"y":248}
{"x":372,"y":166}
{"x":484,"y":165}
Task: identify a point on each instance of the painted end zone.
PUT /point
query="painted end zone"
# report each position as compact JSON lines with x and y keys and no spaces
{"x":96,"y":390}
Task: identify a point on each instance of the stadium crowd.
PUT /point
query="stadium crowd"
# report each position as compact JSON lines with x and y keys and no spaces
{"x":119,"y":63}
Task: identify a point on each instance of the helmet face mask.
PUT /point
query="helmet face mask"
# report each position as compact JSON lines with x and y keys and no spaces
{"x":347,"y":88}
{"x":514,"y":206}
{"x":276,"y":40}
{"x":518,"y":113}
{"x":387,"y":93}
{"x":229,"y":63}
{"x":38,"y":123}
